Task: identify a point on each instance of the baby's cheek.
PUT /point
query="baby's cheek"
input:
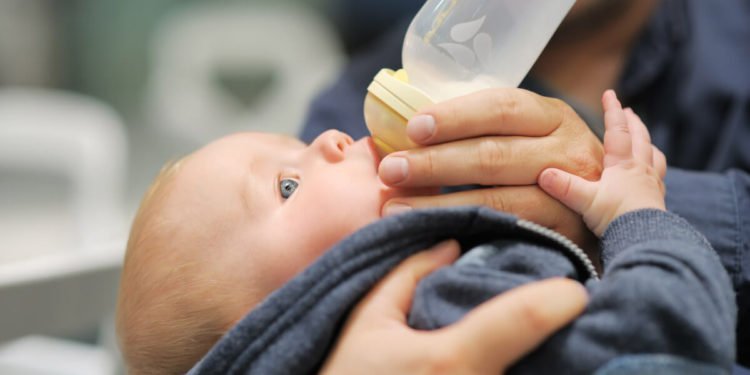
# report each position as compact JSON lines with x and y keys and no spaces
{"x":317,"y":225}
{"x":327,"y":231}
{"x":313,"y":235}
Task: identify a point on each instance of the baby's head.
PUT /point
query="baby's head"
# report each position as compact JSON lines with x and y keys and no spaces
{"x":227,"y":225}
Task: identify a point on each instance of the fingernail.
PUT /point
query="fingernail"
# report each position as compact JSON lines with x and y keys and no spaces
{"x":446,"y":251}
{"x":547,"y":179}
{"x":421,"y":128}
{"x":395,"y":209}
{"x":393,"y":170}
{"x":569,"y":297}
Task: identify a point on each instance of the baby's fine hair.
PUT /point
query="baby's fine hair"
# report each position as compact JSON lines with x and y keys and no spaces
{"x":164,"y":320}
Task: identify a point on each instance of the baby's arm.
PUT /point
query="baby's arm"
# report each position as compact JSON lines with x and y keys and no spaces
{"x":632,"y":178}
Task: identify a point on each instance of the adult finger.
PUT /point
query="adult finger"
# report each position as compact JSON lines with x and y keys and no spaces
{"x":642,"y":149}
{"x":501,"y":111}
{"x":484,"y":161}
{"x":516,"y":322}
{"x":617,"y":142}
{"x":527,"y":202}
{"x":391,"y":298}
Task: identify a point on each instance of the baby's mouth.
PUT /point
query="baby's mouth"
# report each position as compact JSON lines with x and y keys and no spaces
{"x":373,"y":151}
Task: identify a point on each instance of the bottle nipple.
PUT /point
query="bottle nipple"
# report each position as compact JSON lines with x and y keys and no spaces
{"x":391,"y":101}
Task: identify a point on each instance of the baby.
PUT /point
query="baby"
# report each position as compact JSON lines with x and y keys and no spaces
{"x":230,"y":224}
{"x":227,"y":225}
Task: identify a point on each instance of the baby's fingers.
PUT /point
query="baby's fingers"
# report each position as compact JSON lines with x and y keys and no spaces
{"x":573,"y":191}
{"x":640,"y":137}
{"x":617,"y":137}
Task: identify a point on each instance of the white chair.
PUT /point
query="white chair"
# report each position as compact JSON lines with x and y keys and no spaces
{"x":74,"y":137}
{"x":59,"y":262}
{"x":195,"y":45}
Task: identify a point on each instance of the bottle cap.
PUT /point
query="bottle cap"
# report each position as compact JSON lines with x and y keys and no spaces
{"x":390,"y":103}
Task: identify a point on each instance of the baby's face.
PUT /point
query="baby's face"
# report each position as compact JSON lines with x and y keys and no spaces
{"x":258,"y":208}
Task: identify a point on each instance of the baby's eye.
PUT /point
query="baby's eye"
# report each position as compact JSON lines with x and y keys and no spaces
{"x":287,"y":187}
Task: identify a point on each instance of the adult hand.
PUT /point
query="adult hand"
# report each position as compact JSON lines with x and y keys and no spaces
{"x":503,"y":139}
{"x":376,"y":339}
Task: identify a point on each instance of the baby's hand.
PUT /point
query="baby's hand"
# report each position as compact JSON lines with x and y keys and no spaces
{"x":633,"y":172}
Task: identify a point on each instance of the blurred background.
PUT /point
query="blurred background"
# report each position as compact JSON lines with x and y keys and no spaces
{"x":95,"y":96}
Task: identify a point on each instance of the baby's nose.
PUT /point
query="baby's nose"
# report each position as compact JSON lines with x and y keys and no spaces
{"x":332,"y":144}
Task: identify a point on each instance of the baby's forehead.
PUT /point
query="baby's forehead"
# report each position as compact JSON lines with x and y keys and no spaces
{"x":255,"y":138}
{"x":240,"y":149}
{"x":222,"y":169}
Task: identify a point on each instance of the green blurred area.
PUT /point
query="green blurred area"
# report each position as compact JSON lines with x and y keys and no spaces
{"x":106,"y":43}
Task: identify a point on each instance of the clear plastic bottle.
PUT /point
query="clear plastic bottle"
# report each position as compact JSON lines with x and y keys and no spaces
{"x":456,"y":47}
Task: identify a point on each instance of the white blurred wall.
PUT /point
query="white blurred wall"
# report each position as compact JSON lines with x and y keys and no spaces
{"x":27,"y":42}
{"x":137,"y":62}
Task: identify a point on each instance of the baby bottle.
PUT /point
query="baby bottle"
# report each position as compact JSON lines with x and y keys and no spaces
{"x":453,"y":48}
